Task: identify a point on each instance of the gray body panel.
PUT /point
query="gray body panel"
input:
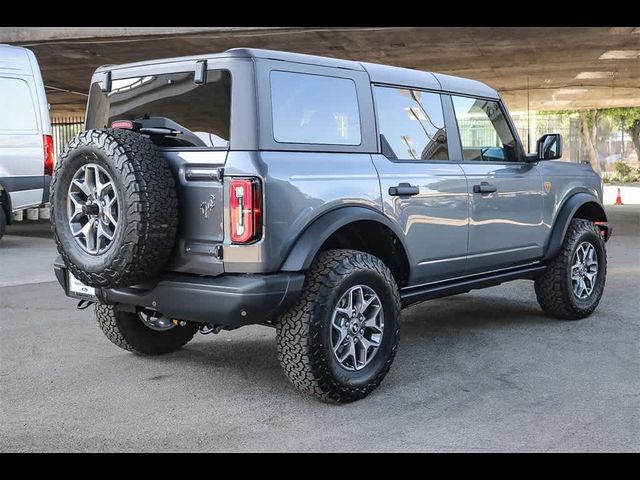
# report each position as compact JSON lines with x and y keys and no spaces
{"x":447,"y":230}
{"x":299,"y":187}
{"x":505,"y":227}
{"x":435,"y":222}
{"x":22,"y":151}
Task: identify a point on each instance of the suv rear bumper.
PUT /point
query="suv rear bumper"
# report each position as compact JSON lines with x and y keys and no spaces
{"x":228,"y":300}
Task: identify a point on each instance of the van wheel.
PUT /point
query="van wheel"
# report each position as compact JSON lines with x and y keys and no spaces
{"x":339,"y":341}
{"x":573,"y":284}
{"x":3,"y":222}
{"x":138,"y":333}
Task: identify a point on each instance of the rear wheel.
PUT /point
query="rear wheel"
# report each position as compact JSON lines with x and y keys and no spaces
{"x":339,"y":341}
{"x":573,"y":284}
{"x":145,"y":333}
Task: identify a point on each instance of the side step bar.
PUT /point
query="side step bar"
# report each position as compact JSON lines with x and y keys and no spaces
{"x":420,"y":293}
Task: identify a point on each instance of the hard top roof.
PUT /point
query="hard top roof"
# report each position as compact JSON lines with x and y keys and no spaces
{"x":378,"y":73}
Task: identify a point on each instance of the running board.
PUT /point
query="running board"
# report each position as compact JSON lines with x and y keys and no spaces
{"x":412,"y":295}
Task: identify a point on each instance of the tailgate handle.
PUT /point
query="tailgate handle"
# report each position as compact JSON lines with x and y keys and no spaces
{"x":205,"y":174}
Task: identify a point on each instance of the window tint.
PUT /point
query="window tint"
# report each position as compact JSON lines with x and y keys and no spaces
{"x":17,"y":111}
{"x":484,"y":131}
{"x":314,"y":109}
{"x":411,"y":124}
{"x":201,"y":113}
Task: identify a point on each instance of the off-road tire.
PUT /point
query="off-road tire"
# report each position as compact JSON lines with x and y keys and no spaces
{"x":553,"y":288}
{"x":3,"y":222}
{"x":127,"y":331}
{"x":148,"y":203}
{"x":303,"y":331}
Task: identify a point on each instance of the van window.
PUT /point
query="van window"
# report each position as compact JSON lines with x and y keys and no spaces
{"x":314,"y":109}
{"x":411,"y":124}
{"x":17,"y":110}
{"x":201,"y":113}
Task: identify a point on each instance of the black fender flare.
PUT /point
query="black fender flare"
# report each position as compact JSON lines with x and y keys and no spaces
{"x":563,"y":219}
{"x":313,"y":237}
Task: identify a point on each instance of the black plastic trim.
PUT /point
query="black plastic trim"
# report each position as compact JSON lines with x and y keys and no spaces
{"x":46,"y":189}
{"x":20,"y":184}
{"x":228,"y":300}
{"x":5,"y":203}
{"x":309,"y":243}
{"x":563,"y":219}
{"x":412,"y":295}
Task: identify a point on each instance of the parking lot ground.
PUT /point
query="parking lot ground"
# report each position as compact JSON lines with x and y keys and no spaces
{"x":485,"y":371}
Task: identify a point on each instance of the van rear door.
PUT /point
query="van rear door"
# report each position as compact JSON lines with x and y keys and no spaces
{"x":24,"y":120}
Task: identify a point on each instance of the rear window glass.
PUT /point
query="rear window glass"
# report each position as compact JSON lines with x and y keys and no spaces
{"x":173,"y":102}
{"x":17,"y":111}
{"x":314,"y":109}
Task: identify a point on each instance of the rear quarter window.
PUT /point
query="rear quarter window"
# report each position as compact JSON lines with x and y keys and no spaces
{"x":17,"y":110}
{"x":314,"y":109}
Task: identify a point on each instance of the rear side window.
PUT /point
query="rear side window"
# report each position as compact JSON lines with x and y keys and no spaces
{"x":314,"y":109}
{"x":17,"y":111}
{"x":411,"y":124}
{"x":201,"y":113}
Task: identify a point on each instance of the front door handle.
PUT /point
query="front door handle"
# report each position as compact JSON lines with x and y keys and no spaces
{"x":485,"y":187}
{"x":404,"y":190}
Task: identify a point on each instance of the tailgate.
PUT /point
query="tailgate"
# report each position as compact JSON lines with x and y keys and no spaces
{"x":200,"y":188}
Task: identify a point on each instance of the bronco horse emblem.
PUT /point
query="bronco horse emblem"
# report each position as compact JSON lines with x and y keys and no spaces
{"x":207,"y":207}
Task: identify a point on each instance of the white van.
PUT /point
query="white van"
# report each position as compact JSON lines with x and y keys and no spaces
{"x":26,"y":142}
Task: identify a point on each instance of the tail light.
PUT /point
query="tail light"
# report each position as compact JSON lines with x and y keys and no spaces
{"x":245,"y":206}
{"x":48,"y":154}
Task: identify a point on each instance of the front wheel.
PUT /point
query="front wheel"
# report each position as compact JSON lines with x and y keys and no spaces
{"x":339,"y":341}
{"x":573,"y":284}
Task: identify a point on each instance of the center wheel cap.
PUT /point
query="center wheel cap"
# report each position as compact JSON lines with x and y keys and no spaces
{"x":355,"y":327}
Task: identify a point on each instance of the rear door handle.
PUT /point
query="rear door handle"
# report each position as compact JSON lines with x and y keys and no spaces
{"x":485,"y":187}
{"x":404,"y":190}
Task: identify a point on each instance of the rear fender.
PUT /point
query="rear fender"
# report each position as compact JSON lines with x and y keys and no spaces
{"x":313,"y":238}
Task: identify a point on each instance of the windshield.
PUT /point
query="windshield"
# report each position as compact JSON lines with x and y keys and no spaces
{"x":199,"y":115}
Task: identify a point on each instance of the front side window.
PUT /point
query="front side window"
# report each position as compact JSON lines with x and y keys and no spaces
{"x":200,"y":113}
{"x":17,"y":111}
{"x":314,"y":109}
{"x":484,"y":131}
{"x":411,"y":124}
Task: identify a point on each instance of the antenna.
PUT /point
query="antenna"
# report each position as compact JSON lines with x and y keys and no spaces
{"x":528,"y":116}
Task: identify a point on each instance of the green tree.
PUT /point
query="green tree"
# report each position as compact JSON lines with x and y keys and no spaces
{"x":588,"y":124}
{"x":629,"y":119}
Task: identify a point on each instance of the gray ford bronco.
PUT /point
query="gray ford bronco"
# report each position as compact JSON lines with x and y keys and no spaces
{"x":314,"y":195}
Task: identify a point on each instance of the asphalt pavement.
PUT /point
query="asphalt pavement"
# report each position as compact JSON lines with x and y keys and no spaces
{"x":485,"y":371}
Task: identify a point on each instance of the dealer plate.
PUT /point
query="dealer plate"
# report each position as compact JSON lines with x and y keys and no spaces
{"x":79,"y":289}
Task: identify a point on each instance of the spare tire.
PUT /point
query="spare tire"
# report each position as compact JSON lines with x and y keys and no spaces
{"x":114,"y":208}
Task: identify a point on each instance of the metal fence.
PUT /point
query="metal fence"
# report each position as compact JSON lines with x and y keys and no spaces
{"x":63,"y":130}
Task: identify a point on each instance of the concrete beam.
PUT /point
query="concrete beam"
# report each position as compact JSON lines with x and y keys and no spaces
{"x":544,"y":68}
{"x":27,"y":35}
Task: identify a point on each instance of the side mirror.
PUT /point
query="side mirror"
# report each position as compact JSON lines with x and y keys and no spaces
{"x":550,"y":147}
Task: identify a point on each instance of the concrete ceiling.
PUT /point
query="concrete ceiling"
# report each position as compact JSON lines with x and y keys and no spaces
{"x":553,"y":68}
